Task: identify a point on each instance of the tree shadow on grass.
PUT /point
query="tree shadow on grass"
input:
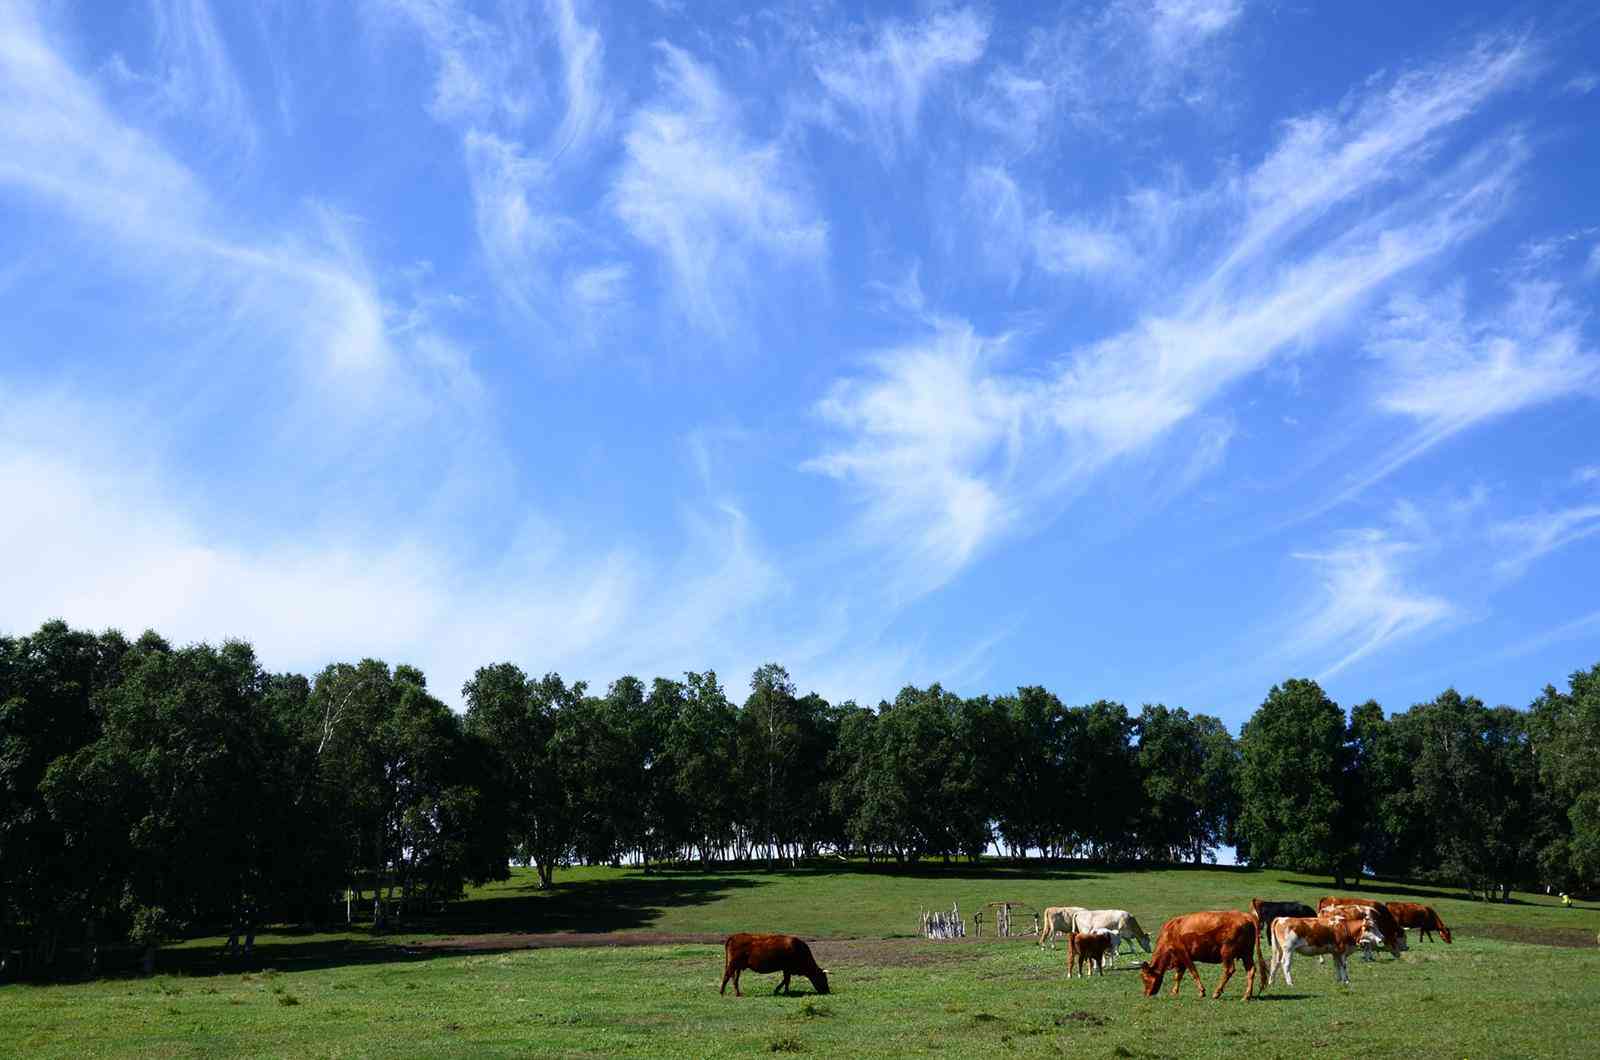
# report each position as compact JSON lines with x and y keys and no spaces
{"x":1372,"y":887}
{"x":577,"y":912}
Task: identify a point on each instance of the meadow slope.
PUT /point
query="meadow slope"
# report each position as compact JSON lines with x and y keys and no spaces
{"x":1521,"y":978}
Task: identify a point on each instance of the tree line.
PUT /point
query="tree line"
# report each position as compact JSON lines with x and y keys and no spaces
{"x":149,"y":790}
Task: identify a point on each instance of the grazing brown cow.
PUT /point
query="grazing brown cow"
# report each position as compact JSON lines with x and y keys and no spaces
{"x":766,"y":954}
{"x":1421,"y":917}
{"x":1220,"y":936}
{"x":1090,"y":947}
{"x":1393,"y":937}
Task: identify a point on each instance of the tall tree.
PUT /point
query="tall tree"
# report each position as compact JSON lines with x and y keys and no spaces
{"x":50,"y":688}
{"x":769,"y":739}
{"x":176,"y":797}
{"x":1295,"y":779}
{"x":517,"y":718}
{"x":1566,"y":727}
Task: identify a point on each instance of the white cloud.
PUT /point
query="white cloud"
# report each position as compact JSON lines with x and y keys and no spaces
{"x":1449,"y":372}
{"x":196,"y":76}
{"x":1094,"y":68}
{"x":521,"y":159}
{"x":1534,"y":536}
{"x":1582,"y":84}
{"x":1365,"y":603}
{"x":1014,"y":233}
{"x":885,"y":81}
{"x":1178,"y":25}
{"x":978,"y":447}
{"x":710,"y":201}
{"x":928,"y":438}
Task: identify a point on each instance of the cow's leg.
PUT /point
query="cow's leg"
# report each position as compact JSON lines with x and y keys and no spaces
{"x":736,"y":973}
{"x":1341,"y":968}
{"x":727,"y":973}
{"x":1201,"y":983}
{"x":1288,"y":956}
{"x":783,"y":986}
{"x":1227,"y":973}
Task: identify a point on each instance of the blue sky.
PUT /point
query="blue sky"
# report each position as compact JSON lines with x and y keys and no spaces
{"x":1149,"y":351}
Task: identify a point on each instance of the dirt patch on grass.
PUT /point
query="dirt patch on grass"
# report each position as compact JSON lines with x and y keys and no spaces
{"x":1569,"y":938}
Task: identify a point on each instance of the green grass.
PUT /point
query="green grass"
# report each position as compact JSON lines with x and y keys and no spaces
{"x":351,"y":995}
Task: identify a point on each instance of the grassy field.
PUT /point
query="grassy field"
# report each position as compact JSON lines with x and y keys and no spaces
{"x":1521,"y":979}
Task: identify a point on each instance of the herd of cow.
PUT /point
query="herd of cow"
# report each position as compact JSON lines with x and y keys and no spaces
{"x":1219,"y":936}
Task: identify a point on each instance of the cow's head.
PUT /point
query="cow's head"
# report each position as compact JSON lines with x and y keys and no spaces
{"x":819,"y":982}
{"x":1369,"y":930}
{"x":1138,"y":932}
{"x":1151,"y":977}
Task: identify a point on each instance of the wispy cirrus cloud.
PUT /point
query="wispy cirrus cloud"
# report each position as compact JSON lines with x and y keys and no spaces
{"x":495,"y":81}
{"x":1015,"y":233}
{"x":1531,"y":537}
{"x":884,"y":75}
{"x":1366,"y":602}
{"x":713,"y":202}
{"x":1037,"y":436}
{"x":1448,"y":371}
{"x":1100,"y":61}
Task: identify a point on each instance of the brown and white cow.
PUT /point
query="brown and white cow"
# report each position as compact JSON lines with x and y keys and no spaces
{"x":1421,"y":917}
{"x":1089,"y":947}
{"x":1335,"y":935}
{"x":1217,"y":936}
{"x":1393,"y":938}
{"x":766,"y":954}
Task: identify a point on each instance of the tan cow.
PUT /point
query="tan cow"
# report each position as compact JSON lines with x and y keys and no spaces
{"x":1057,"y":920}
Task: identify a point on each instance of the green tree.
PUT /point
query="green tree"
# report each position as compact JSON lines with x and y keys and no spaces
{"x":516,"y":717}
{"x":175,"y":799}
{"x":700,"y":747}
{"x":769,"y":740}
{"x":50,"y":684}
{"x":1566,"y":727}
{"x":1295,"y":779}
{"x":1108,"y":771}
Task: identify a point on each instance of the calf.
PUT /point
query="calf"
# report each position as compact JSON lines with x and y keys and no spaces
{"x":766,"y":954}
{"x":1219,"y":936}
{"x":1090,"y":947}
{"x":1421,"y":917}
{"x":1394,"y":938}
{"x":1312,"y":935}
